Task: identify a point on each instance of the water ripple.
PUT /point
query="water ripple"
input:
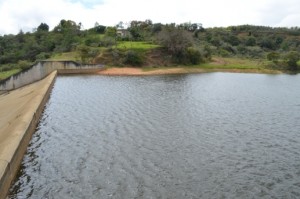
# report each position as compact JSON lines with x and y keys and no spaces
{"x":216,"y":135}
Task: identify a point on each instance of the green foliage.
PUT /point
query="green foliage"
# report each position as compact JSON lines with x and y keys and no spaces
{"x":23,"y":64}
{"x":111,"y":32}
{"x":176,"y":41}
{"x":43,"y":27}
{"x":224,"y":53}
{"x":207,"y":52}
{"x":100,"y":29}
{"x":43,"y":56}
{"x":193,"y":56}
{"x":86,"y":53}
{"x":83,"y":52}
{"x":186,"y":43}
{"x":139,"y":46}
{"x":233,"y":40}
{"x":72,"y":56}
{"x":6,"y":74}
{"x":254,"y":52}
{"x":92,"y":40}
{"x":267,"y":43}
{"x":251,"y":41}
{"x":140,"y":30}
{"x":107,"y":41}
{"x":133,"y":58}
{"x":291,"y":59}
{"x":6,"y":67}
{"x":273,"y":56}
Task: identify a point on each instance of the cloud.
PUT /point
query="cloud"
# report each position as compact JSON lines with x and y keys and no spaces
{"x":280,"y":13}
{"x":28,"y":14}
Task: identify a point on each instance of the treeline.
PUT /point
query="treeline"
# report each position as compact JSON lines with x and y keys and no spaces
{"x":24,"y":48}
{"x":187,"y":43}
{"x":281,"y":46}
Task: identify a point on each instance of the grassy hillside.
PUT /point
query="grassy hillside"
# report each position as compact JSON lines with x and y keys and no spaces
{"x":145,"y":44}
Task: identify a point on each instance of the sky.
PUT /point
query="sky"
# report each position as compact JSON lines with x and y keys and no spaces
{"x":16,"y":15}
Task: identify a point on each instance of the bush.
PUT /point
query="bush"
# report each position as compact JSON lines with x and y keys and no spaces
{"x":194,"y":56}
{"x":6,"y":67}
{"x":133,"y":58}
{"x":207,"y":52}
{"x":42,"y":56}
{"x":273,"y":56}
{"x":107,"y":42}
{"x":251,"y":41}
{"x":291,"y":59}
{"x":23,"y":64}
{"x":224,"y":53}
{"x":255,"y":52}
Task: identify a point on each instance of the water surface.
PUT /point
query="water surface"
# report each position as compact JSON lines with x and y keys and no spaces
{"x":216,"y":135}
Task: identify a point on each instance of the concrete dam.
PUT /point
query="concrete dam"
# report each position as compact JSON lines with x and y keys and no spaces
{"x":43,"y":68}
{"x":22,"y":100}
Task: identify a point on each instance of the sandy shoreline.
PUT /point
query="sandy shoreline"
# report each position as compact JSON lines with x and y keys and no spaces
{"x":139,"y":71}
{"x":127,"y":71}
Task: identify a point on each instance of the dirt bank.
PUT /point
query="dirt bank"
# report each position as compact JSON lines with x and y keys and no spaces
{"x":165,"y":71}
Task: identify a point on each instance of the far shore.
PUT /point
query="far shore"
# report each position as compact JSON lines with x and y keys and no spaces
{"x":130,"y":71}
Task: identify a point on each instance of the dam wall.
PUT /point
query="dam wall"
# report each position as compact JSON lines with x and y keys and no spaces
{"x":41,"y":70}
{"x":22,"y":100}
{"x":20,"y":112}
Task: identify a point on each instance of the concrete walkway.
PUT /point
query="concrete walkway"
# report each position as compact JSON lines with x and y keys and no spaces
{"x":19,"y":113}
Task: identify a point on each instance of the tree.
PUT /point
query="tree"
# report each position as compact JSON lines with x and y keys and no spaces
{"x":68,"y":26}
{"x":140,"y":30}
{"x":291,"y":59}
{"x":100,"y":29}
{"x":157,"y":27}
{"x":43,"y":27}
{"x":67,"y":32}
{"x":133,"y":58}
{"x":251,"y":41}
{"x":84,"y":53}
{"x":120,"y":25}
{"x":273,"y":56}
{"x":176,"y":42}
{"x":111,"y":32}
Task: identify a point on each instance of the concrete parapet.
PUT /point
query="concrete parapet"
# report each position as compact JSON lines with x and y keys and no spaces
{"x":41,"y":70}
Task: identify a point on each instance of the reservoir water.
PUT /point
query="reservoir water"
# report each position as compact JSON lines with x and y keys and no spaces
{"x":214,"y":135}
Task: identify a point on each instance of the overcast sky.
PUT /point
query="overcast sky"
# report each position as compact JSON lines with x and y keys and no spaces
{"x":28,"y":14}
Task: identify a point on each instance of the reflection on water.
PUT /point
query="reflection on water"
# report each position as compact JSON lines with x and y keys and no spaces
{"x":217,"y":135}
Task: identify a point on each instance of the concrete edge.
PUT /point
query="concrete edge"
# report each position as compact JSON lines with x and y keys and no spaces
{"x":11,"y":168}
{"x":78,"y":71}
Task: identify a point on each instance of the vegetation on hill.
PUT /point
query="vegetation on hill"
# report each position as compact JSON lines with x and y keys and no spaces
{"x":149,"y":44}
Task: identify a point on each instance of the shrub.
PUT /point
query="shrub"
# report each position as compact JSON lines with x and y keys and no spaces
{"x":255,"y":52}
{"x":23,"y":64}
{"x":291,"y":59}
{"x":133,"y":58}
{"x":207,"y":52}
{"x":273,"y":56}
{"x":251,"y":41}
{"x":194,"y":56}
{"x":42,"y":56}
{"x":107,"y":42}
{"x":224,"y":53}
{"x":6,"y":67}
